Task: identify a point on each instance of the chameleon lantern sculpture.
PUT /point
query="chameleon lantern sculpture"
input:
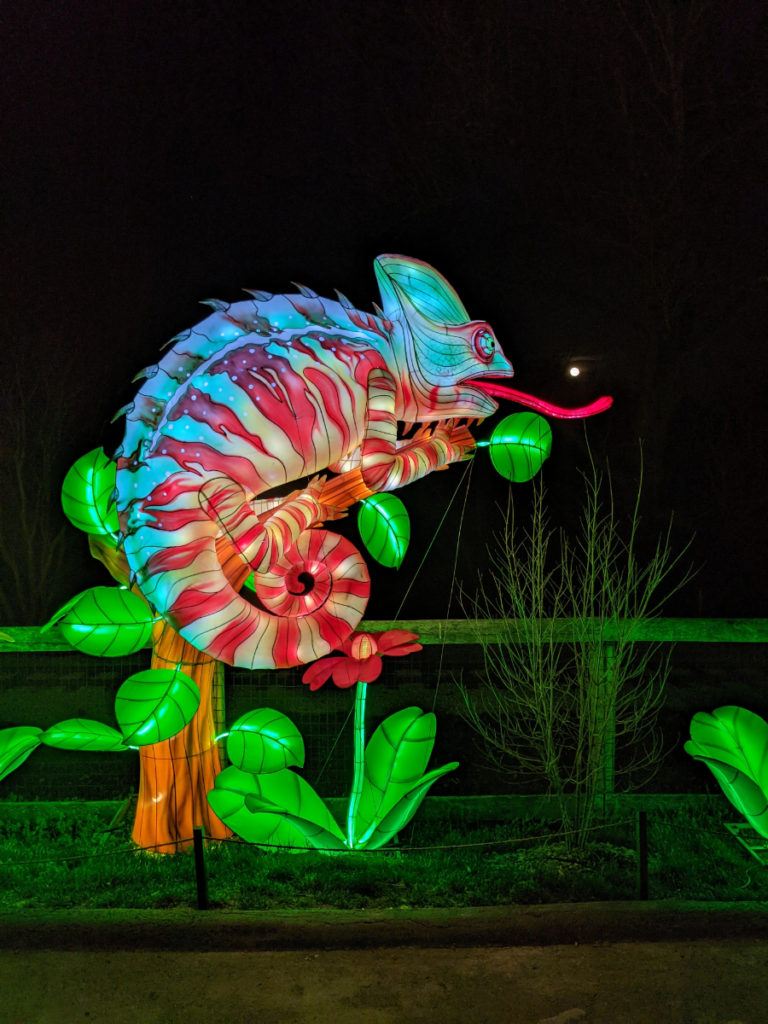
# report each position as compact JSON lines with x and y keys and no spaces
{"x":269,"y":418}
{"x":278,"y":389}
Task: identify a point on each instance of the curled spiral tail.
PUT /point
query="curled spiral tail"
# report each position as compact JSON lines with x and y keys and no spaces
{"x":314,"y":595}
{"x":190,"y":556}
{"x":305,"y":605}
{"x":321,"y":574}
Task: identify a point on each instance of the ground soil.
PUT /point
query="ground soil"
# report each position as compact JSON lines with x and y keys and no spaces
{"x":593,"y":963}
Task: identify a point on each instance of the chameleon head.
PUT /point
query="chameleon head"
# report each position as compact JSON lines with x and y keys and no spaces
{"x":438,"y":349}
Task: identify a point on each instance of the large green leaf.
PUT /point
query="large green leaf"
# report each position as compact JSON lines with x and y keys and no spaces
{"x":287,"y":824}
{"x":385,"y":528}
{"x":16,"y":744}
{"x":106,"y":622}
{"x":83,"y":734}
{"x":230,"y":808}
{"x":234,"y":780}
{"x":154,"y":705}
{"x":265,"y":741}
{"x":275,"y":831}
{"x":520,"y":445}
{"x":742,"y":792}
{"x":733,"y":736}
{"x":403,"y":810}
{"x":279,"y":809}
{"x":395,"y":760}
{"x":86,"y":494}
{"x":733,"y":743}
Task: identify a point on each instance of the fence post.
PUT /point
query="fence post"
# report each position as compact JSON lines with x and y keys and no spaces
{"x":606,"y":722}
{"x":642,"y":854}
{"x":218,"y":701}
{"x":200,"y":876}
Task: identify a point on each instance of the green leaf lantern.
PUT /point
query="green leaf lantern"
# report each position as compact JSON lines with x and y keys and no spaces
{"x":385,"y":528}
{"x":279,"y":809}
{"x":83,"y":734}
{"x":265,"y":741}
{"x":16,"y":744}
{"x":86,"y":494}
{"x":733,"y":743}
{"x":395,"y":760}
{"x":382,"y":831}
{"x":520,"y":445}
{"x":107,"y":622}
{"x":154,"y":705}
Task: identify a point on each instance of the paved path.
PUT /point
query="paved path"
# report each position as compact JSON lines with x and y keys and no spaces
{"x":594,"y":964}
{"x":615,"y":983}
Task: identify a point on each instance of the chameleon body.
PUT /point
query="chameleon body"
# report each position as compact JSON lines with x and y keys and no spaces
{"x":269,"y":391}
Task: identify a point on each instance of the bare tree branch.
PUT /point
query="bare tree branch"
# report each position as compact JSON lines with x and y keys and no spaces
{"x":559,"y":710}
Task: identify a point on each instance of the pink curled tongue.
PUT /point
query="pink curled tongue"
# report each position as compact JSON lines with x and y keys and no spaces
{"x":556,"y":411}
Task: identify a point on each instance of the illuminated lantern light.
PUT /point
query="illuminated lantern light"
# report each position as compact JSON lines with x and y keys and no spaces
{"x":270,"y":805}
{"x":154,"y":705}
{"x":733,"y":743}
{"x":284,"y":389}
{"x":520,"y":445}
{"x":106,"y":622}
{"x":385,"y":528}
{"x":87,"y":492}
{"x":16,"y":744}
{"x":278,"y":809}
{"x":82,"y":734}
{"x":265,"y":741}
{"x":395,"y":760}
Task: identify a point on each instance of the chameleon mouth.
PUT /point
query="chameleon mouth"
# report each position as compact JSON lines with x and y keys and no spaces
{"x":494,"y":390}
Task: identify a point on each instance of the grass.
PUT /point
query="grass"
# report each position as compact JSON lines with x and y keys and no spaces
{"x":59,"y":856}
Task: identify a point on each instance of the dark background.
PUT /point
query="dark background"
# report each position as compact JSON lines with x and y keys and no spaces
{"x":589,"y":175}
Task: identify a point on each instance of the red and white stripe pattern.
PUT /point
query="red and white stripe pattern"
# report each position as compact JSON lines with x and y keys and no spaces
{"x":266,"y":393}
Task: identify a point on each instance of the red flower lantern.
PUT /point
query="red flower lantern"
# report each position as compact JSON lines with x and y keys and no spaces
{"x":360,"y":661}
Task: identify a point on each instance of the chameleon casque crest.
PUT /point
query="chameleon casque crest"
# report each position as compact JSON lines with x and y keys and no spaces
{"x":276,"y":389}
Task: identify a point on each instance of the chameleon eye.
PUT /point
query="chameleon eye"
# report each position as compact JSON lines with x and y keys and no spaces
{"x":484,"y":344}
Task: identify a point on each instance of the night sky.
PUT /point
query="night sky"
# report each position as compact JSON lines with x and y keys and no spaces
{"x":590,"y":176}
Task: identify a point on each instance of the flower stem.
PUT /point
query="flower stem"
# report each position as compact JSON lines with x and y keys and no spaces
{"x":359,"y":753}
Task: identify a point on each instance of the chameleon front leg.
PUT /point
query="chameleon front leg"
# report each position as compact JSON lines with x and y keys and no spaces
{"x":387,"y":463}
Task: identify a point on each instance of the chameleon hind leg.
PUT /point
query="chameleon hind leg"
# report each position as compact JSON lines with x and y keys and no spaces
{"x":262,"y":540}
{"x":311,"y":585}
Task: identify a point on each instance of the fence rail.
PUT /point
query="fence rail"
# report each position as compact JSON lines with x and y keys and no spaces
{"x":467,"y":631}
{"x":323,"y":724}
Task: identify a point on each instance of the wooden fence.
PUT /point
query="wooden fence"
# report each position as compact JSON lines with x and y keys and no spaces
{"x":436,"y":632}
{"x":466,"y":631}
